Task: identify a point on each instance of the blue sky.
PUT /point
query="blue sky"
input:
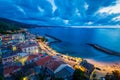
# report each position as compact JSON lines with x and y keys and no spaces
{"x":63,"y":12}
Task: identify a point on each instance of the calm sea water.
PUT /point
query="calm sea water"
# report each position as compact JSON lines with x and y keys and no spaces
{"x":74,"y":41}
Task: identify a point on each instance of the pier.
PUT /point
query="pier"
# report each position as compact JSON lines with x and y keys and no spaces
{"x":57,"y":40}
{"x":105,"y":50}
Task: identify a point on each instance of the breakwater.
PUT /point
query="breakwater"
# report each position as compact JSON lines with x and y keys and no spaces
{"x":105,"y":50}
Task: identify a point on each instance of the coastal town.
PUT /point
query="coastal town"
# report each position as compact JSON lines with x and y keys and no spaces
{"x":25,"y":56}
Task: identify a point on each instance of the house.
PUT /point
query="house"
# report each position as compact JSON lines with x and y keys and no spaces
{"x":33,"y":58}
{"x":30,"y":36}
{"x":6,"y":39}
{"x":8,"y":71}
{"x":59,"y":69}
{"x":9,"y":57}
{"x":22,"y":54}
{"x":27,"y":59}
{"x":0,"y":52}
{"x":0,"y":40}
{"x":64,"y":71}
{"x":18,"y":37}
{"x":29,"y":47}
{"x":41,"y":62}
{"x":89,"y":67}
{"x":5,"y":50}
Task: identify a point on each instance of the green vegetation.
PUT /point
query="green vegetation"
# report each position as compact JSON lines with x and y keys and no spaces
{"x":57,"y":79}
{"x":18,"y":76}
{"x":43,"y":39}
{"x":41,"y":76}
{"x":115,"y":75}
{"x":7,"y":28}
{"x":79,"y":75}
{"x":1,"y":78}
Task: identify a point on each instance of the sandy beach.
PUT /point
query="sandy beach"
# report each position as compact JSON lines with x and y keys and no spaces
{"x":105,"y":67}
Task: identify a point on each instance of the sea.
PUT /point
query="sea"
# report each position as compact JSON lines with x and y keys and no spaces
{"x":74,"y":41}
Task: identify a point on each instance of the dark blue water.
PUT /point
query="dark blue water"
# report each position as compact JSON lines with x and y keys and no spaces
{"x":74,"y":41}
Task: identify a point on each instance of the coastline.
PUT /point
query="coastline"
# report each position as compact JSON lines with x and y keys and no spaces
{"x":104,"y":66}
{"x":101,"y":68}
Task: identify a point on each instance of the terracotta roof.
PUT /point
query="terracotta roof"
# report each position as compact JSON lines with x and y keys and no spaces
{"x":40,"y":54}
{"x":32,"y":56}
{"x":26,"y":45}
{"x":53,"y":64}
{"x":10,"y":69}
{"x":43,"y":60}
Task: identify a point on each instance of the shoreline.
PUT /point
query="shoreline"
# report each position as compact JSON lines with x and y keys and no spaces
{"x":104,"y":66}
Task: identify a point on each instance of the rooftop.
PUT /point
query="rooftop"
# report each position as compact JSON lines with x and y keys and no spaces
{"x":43,"y":60}
{"x":10,"y":69}
{"x":32,"y":56}
{"x":88,"y":66}
{"x":27,"y":44}
{"x":54,"y":64}
{"x":9,"y":54}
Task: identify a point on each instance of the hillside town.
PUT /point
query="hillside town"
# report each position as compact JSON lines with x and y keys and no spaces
{"x":24,"y":56}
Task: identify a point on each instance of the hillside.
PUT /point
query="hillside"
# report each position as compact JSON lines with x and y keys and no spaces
{"x":10,"y":26}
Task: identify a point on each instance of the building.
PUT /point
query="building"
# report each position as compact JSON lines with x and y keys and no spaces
{"x":59,"y":69}
{"x":24,"y":58}
{"x":32,"y":58}
{"x":6,"y":39}
{"x":8,"y":71}
{"x":64,"y":71}
{"x":41,"y":62}
{"x":89,"y":67}
{"x":9,"y":57}
{"x":21,"y":54}
{"x":0,"y":40}
{"x":29,"y":47}
{"x":18,"y":37}
{"x":29,"y":36}
{"x":0,"y":52}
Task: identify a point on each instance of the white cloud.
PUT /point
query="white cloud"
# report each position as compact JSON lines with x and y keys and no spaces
{"x":53,"y":5}
{"x":89,"y":23}
{"x":21,"y":9}
{"x":111,"y":9}
{"x":40,"y":9}
{"x":116,"y":18}
{"x":66,"y":21}
{"x":86,"y":6}
{"x":77,"y":12}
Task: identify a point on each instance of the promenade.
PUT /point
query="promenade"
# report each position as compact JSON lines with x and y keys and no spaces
{"x":68,"y":59}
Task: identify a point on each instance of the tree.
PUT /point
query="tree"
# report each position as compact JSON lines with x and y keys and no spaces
{"x":42,"y":38}
{"x":1,"y":78}
{"x":79,"y":75}
{"x":57,"y":79}
{"x":115,"y":75}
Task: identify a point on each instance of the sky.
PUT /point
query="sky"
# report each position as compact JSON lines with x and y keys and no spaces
{"x":63,"y":12}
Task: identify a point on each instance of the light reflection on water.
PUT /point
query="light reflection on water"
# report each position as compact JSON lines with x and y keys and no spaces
{"x":74,"y":41}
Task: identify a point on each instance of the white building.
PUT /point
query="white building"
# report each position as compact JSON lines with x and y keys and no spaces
{"x":18,"y":37}
{"x":31,"y":48}
{"x":9,"y":58}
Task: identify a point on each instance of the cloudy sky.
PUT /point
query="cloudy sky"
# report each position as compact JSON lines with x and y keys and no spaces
{"x":62,"y":12}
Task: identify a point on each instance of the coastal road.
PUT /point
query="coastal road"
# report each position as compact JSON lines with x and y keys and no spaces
{"x":68,"y":59}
